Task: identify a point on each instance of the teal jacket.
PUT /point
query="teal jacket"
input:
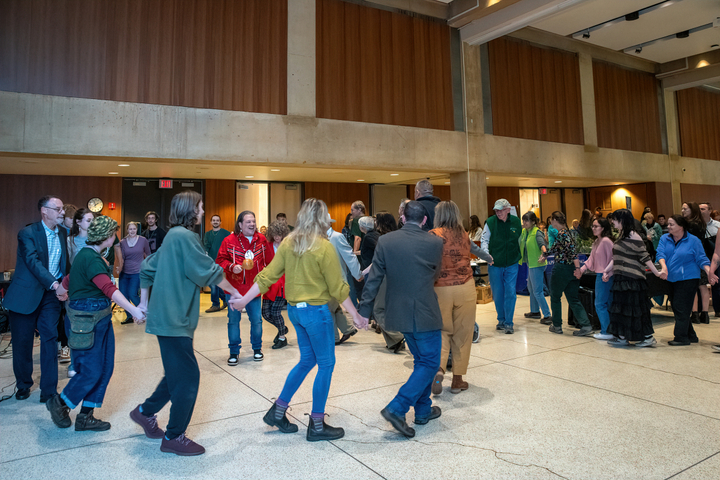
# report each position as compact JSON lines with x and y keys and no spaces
{"x":176,"y":273}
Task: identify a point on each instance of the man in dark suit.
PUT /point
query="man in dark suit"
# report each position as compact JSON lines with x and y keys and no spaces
{"x":34,"y":296}
{"x":410,"y":259}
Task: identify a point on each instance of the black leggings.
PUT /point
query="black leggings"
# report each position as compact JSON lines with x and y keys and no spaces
{"x":179,"y":385}
{"x":272,"y":312}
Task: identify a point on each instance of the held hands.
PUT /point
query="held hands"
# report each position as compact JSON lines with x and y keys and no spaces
{"x":360,"y":321}
{"x":63,"y":297}
{"x":663,"y":274}
{"x":577,"y":273}
{"x":138,"y":315}
{"x":491,"y":261}
{"x":606,"y":277}
{"x":713,"y":278}
{"x":238,"y":302}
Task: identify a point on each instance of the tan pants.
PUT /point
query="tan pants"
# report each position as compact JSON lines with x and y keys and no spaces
{"x":391,"y":338}
{"x":457,"y":306}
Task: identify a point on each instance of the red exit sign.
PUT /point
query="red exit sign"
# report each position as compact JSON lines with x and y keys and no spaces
{"x":543,"y":191}
{"x":166,"y":183}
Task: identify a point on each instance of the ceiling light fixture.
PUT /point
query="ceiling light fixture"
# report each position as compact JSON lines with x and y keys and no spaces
{"x":585,"y":32}
{"x":558,"y":181}
{"x":360,"y":180}
{"x":112,"y":173}
{"x":123,"y":165}
{"x":586,"y":35}
{"x":447,"y":183}
{"x":274,"y":169}
{"x":638,"y":50}
{"x":394,"y":174}
{"x":673,"y":36}
{"x":249,"y":176}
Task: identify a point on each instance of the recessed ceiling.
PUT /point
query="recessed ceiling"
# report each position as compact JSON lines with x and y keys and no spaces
{"x":674,"y":16}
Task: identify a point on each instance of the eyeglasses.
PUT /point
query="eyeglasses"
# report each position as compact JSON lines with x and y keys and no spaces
{"x":57,"y":209}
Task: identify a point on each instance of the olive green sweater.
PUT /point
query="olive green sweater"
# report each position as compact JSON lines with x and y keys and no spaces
{"x":177,"y":271}
{"x":315,"y":277}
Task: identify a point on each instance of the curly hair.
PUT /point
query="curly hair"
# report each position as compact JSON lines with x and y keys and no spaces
{"x":277,"y":229}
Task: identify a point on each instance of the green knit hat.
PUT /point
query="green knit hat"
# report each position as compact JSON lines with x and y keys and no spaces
{"x":101,"y":228}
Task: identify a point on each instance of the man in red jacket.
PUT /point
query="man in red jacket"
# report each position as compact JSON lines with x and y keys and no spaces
{"x":242,"y":255}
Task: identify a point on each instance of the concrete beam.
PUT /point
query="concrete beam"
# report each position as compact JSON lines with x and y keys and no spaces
{"x":692,"y":78}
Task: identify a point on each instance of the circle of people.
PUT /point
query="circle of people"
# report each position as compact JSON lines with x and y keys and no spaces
{"x":412,"y":281}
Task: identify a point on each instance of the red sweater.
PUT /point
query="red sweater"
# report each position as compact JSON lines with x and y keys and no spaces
{"x":278,"y":288}
{"x":232,"y":252}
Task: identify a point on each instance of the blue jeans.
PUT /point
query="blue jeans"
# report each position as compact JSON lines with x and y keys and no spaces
{"x":603,"y":299}
{"x":217,"y":294}
{"x":95,"y":365}
{"x":502,"y":283}
{"x":425,"y":347}
{"x":315,"y":331}
{"x":129,"y":286}
{"x":536,"y":286}
{"x":254,"y":313}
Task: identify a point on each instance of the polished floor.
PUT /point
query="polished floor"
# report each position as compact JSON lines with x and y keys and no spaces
{"x":540,"y":406}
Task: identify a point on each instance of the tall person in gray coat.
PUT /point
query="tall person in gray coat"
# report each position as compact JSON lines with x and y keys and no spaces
{"x":410,"y":260}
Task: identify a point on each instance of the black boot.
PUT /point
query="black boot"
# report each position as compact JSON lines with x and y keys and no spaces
{"x":694,"y":317}
{"x":704,"y":317}
{"x":86,"y":421}
{"x":319,"y":430}
{"x":275,"y":417}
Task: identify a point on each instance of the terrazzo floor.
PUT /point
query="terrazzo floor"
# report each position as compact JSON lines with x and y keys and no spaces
{"x":540,"y":406}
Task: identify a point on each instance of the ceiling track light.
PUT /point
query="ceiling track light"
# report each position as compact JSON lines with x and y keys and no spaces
{"x":586,"y":35}
{"x":638,"y":50}
{"x":630,"y":17}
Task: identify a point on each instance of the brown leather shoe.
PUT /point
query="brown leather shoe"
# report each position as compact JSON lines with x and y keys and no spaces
{"x":458,"y":385}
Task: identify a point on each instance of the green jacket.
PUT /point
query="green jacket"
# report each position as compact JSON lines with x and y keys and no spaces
{"x":177,"y":272}
{"x":504,"y":238}
{"x":213,"y":240}
{"x":530,"y":249}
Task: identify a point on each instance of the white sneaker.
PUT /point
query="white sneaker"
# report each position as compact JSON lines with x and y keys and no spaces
{"x":603,"y":336}
{"x":716,"y":348}
{"x":648,"y":342}
{"x":64,"y":355}
{"x":71,"y":371}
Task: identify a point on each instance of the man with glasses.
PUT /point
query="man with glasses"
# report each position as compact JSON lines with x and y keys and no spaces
{"x":34,"y":297}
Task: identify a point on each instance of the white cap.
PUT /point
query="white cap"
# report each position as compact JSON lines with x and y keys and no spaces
{"x":501,"y":204}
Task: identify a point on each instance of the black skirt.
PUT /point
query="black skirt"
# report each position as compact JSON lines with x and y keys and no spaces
{"x":630,"y":309}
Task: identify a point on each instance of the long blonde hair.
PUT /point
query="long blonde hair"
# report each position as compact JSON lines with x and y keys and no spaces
{"x":447,"y":215}
{"x":311,"y":226}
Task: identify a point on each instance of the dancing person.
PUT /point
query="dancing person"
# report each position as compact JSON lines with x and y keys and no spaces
{"x":242,"y":255}
{"x":177,"y":272}
{"x":681,"y":258}
{"x":273,"y":301}
{"x":630,"y":308}
{"x":500,"y":239}
{"x":475,"y":230}
{"x":424,"y":195}
{"x":78,"y":232}
{"x":351,"y":271}
{"x":134,"y":249}
{"x":92,"y":338}
{"x":314,"y":277}
{"x":411,"y":260}
{"x":455,"y":289}
{"x":532,"y":246}
{"x":563,"y":279}
{"x":653,"y":230}
{"x":153,"y":233}
{"x":600,"y":256}
{"x":698,"y":227}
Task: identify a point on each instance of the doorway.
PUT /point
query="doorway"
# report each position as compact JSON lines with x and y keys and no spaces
{"x":142,"y":195}
{"x":266,"y":200}
{"x":529,"y":201}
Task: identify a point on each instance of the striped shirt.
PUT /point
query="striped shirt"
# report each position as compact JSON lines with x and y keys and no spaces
{"x":629,"y":258}
{"x":54,"y":250}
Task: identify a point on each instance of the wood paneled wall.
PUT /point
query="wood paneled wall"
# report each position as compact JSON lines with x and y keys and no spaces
{"x":338,"y":197}
{"x":701,"y":193}
{"x":382,"y":67}
{"x":220,"y":200}
{"x":535,"y":92}
{"x":659,"y":198}
{"x":613,"y":198}
{"x":699,"y":122}
{"x":627,"y":109}
{"x":222,"y":54}
{"x":20,"y":194}
{"x":511,"y":194}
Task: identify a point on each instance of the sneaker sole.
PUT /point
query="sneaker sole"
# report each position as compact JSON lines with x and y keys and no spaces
{"x":101,"y":429}
{"x":437,"y":387}
{"x":182,"y":454}
{"x":259,"y":359}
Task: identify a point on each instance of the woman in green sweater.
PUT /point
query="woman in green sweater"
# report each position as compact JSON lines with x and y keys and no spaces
{"x":312,"y":277}
{"x":177,"y":272}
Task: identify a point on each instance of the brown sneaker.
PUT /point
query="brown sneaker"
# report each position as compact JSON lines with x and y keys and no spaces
{"x":182,"y":446}
{"x":149,"y":424}
{"x":458,"y":385}
{"x":213,"y":309}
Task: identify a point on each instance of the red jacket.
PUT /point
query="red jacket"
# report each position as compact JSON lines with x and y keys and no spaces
{"x":278,"y":288}
{"x":232,"y":252}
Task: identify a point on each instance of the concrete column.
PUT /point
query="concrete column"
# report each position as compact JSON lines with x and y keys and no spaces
{"x":301,"y":58}
{"x":587,"y":96}
{"x":673,"y":144}
{"x":472,"y":81}
{"x":469,"y":192}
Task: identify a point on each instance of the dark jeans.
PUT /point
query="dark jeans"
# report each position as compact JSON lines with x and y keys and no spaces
{"x":45,"y":319}
{"x":682,"y":296}
{"x":129,"y":286}
{"x":314,"y":329}
{"x":95,"y":365}
{"x":179,"y":385}
{"x":217,"y":294}
{"x":62,"y":331}
{"x":563,"y":281}
{"x":425,"y":347}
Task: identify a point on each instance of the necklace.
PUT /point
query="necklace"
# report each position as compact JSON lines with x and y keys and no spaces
{"x":132,"y":241}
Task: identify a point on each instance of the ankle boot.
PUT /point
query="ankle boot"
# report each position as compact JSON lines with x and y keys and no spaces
{"x":695,"y":317}
{"x":319,"y":430}
{"x":275,"y":417}
{"x":86,"y":421}
{"x":458,"y":385}
{"x":704,"y":317}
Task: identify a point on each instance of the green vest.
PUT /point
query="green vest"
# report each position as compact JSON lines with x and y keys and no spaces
{"x":504,"y":238}
{"x":530,"y":247}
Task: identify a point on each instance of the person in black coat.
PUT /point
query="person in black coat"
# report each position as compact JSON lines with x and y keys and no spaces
{"x":424,"y":195}
{"x":410,"y":259}
{"x":33,"y":298}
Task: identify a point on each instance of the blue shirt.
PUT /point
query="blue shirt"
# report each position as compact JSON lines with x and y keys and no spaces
{"x":54,"y":250}
{"x":684,"y":259}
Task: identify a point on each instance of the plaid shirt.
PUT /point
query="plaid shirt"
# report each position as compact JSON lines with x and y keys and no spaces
{"x":54,"y":250}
